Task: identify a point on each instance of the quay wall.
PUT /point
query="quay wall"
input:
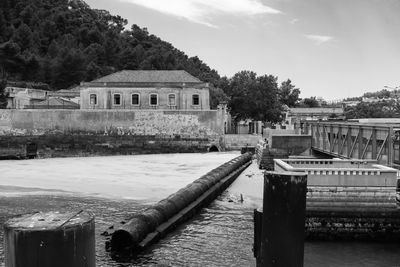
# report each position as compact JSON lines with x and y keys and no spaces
{"x":102,"y":132}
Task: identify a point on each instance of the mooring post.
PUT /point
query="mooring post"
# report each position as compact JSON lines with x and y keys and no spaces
{"x":50,"y":239}
{"x":283,"y":220}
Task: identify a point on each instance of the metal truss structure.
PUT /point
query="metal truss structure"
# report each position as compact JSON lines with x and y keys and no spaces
{"x":357,"y":141}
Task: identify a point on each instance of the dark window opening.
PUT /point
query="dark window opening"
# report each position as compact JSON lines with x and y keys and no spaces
{"x":195,"y":100}
{"x":135,"y":99}
{"x":171,"y":100}
{"x":93,"y":99}
{"x":117,"y":99}
{"x":153,"y":100}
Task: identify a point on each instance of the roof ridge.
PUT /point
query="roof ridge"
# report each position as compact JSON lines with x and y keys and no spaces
{"x":150,"y":76}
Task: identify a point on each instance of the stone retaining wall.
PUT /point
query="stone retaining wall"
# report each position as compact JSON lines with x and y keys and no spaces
{"x":93,"y":132}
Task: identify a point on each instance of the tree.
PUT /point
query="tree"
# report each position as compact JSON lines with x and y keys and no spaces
{"x":253,"y":97}
{"x":70,"y":69}
{"x":3,"y":28}
{"x":31,"y":67}
{"x":217,"y":96}
{"x":288,"y":94}
{"x":3,"y":95}
{"x":383,"y":109}
{"x":11,"y":61}
{"x":23,"y":37}
{"x":311,"y":102}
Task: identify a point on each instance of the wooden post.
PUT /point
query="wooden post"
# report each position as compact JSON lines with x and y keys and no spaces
{"x":50,"y":239}
{"x":283,"y":220}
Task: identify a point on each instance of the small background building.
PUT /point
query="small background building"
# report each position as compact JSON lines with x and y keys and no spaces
{"x":18,"y":98}
{"x":296,"y":116}
{"x":28,"y":98}
{"x":146,"y":89}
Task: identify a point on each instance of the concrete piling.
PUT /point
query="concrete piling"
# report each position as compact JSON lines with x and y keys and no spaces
{"x":50,"y":239}
{"x":282,"y":221}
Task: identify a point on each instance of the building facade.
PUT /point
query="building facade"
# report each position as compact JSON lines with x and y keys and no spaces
{"x":296,"y":115}
{"x":146,"y":89}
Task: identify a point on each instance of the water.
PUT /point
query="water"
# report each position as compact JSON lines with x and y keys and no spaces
{"x":220,"y":235}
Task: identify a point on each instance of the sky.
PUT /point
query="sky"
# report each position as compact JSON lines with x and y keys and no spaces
{"x":328,"y":48}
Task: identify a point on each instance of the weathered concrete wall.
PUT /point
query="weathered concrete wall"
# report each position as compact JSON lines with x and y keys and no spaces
{"x":81,"y":145}
{"x":292,"y":144}
{"x":340,"y":173}
{"x":237,"y":141}
{"x":120,"y":122}
{"x":88,"y":132}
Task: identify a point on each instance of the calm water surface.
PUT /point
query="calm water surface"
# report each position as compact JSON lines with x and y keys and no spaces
{"x":220,"y":235}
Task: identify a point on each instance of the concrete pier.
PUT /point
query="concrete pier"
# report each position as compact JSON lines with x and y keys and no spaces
{"x":282,"y":221}
{"x":50,"y":239}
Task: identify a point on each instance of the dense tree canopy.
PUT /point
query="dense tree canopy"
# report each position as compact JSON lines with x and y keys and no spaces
{"x":289,"y":94}
{"x":310,"y":102}
{"x":383,"y":109}
{"x":3,"y":99}
{"x":60,"y":43}
{"x":254,"y":97}
{"x":64,"y":42}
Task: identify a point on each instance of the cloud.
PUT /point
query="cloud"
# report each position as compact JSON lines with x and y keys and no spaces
{"x":293,"y":21}
{"x":318,"y":39}
{"x":201,"y":11}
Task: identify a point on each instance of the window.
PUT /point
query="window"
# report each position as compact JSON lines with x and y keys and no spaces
{"x":195,"y":100}
{"x":93,"y":99}
{"x":117,"y":100}
{"x":171,"y":100}
{"x":153,"y":100}
{"x":135,"y":99}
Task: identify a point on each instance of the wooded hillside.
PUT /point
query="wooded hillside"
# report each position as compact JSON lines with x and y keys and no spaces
{"x":64,"y":42}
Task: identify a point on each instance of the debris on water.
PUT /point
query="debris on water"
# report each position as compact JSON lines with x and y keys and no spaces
{"x":111,"y":227}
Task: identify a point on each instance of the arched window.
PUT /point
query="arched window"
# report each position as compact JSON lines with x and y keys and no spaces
{"x":195,"y":100}
{"x":171,"y":100}
{"x":153,"y":99}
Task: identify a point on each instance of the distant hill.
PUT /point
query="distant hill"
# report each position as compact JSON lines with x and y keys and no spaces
{"x":64,"y":42}
{"x":380,"y":104}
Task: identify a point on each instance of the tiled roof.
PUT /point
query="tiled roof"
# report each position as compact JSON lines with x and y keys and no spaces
{"x":150,"y":76}
{"x":57,"y":102}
